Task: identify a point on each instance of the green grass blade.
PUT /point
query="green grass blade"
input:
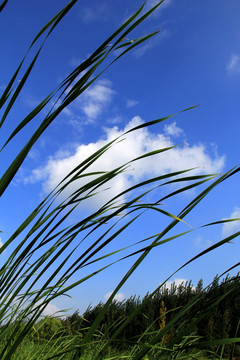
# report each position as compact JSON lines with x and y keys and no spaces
{"x":3,"y":4}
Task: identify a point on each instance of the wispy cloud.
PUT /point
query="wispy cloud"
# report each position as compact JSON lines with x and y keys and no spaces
{"x":162,"y":35}
{"x":95,"y":99}
{"x":200,"y":243}
{"x":134,"y":145}
{"x":75,"y":61}
{"x":173,"y":130}
{"x":151,"y":43}
{"x":31,"y":100}
{"x":117,"y":119}
{"x":230,"y":228}
{"x":233,"y":66}
{"x":151,"y":3}
{"x":118,"y":297}
{"x":100,"y":12}
{"x":130,"y":103}
{"x":90,"y":104}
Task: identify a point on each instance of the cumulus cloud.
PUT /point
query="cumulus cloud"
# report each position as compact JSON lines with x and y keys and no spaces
{"x":230,"y":228}
{"x":176,"y":282}
{"x":95,"y":99}
{"x":233,"y":66}
{"x":134,"y":145}
{"x":118,"y":297}
{"x":87,"y":107}
{"x":172,"y":129}
{"x":50,"y":309}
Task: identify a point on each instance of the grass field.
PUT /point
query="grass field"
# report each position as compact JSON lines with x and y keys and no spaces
{"x":60,"y":348}
{"x":33,"y":351}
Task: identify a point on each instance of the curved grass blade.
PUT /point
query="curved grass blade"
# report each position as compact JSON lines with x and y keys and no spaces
{"x":3,"y":4}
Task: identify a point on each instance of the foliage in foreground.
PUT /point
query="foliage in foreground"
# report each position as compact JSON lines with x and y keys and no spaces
{"x":220,"y":322}
{"x":53,"y":336}
{"x":45,"y":243}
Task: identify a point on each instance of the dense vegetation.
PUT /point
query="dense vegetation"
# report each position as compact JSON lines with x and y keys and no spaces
{"x":220,"y":321}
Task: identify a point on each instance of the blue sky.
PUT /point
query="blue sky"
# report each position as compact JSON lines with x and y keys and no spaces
{"x":195,"y":59}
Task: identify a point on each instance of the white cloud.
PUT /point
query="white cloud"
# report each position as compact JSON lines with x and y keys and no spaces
{"x":95,"y":99}
{"x":118,"y":297}
{"x":131,"y":103}
{"x":1,"y":243}
{"x":177,"y":282}
{"x":233,"y":65}
{"x":90,"y":104}
{"x":230,"y":228}
{"x":135,"y":144}
{"x":173,"y":129}
{"x":50,"y":309}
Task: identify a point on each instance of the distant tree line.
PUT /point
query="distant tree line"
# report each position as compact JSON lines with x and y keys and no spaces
{"x":216,"y":312}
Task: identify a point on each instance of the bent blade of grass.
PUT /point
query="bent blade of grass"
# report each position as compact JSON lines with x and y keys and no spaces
{"x":13,"y":168}
{"x":3,"y":4}
{"x":46,"y":284}
{"x":157,"y":121}
{"x":55,"y":20}
{"x":206,"y":309}
{"x":148,"y":249}
{"x":183,"y":213}
{"x":27,"y":277}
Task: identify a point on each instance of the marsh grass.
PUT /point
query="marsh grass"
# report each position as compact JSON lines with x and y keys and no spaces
{"x":44,"y":237}
{"x":62,"y":348}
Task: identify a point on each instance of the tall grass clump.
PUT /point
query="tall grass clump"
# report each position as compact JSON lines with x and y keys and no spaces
{"x":46,"y":236}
